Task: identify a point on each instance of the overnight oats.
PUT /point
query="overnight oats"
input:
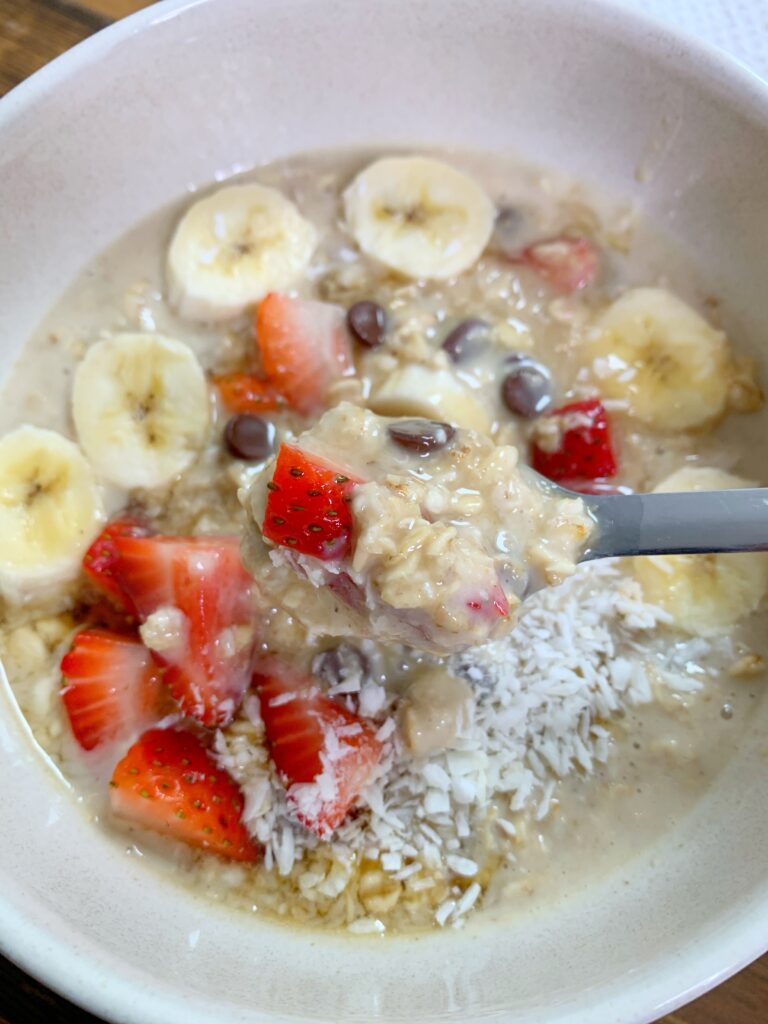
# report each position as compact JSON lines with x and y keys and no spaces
{"x":281,"y":596}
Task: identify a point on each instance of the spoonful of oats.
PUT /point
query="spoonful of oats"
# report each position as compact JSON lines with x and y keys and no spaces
{"x":415,"y":532}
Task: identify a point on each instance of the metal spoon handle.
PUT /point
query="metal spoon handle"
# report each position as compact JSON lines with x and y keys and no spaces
{"x":699,"y":521}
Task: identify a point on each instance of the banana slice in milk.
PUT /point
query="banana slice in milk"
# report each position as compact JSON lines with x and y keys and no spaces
{"x":671,"y":367}
{"x":704,"y":594}
{"x":419,"y":216}
{"x":233,"y":247}
{"x":141,"y":407}
{"x":415,"y":390}
{"x":50,"y":511}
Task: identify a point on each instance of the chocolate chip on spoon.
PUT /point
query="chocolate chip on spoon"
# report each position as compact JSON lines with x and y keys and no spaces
{"x":458,"y":341}
{"x":367,"y":321}
{"x":527,"y":389}
{"x":421,"y":436}
{"x":249,"y":437}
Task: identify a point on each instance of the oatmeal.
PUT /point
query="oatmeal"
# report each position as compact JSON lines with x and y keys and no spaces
{"x":429,"y":534}
{"x":320,"y":713}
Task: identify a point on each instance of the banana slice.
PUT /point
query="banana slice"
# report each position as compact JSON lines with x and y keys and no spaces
{"x":50,"y":511}
{"x":704,"y":594}
{"x":419,"y":216}
{"x":141,"y":408}
{"x":415,"y":390}
{"x":233,"y":247}
{"x":661,"y":357}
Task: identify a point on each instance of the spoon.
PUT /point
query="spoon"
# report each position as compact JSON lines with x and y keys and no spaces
{"x":679,"y":523}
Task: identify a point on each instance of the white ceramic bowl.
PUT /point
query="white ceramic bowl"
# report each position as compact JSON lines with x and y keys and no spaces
{"x":192,"y":89}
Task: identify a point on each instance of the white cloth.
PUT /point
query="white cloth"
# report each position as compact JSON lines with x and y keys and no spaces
{"x":738,"y":26}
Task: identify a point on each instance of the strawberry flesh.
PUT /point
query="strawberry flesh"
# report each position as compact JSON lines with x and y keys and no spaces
{"x":491,"y":605}
{"x":208,"y":667}
{"x":101,"y":558}
{"x":170,"y":783}
{"x":113,"y":688}
{"x":308,"y":506}
{"x":584,"y":448}
{"x":568,"y":264}
{"x":305,"y":347}
{"x":246,"y":392}
{"x":324,"y":753}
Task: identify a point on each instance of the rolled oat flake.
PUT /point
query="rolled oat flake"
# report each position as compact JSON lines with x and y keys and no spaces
{"x":421,"y":436}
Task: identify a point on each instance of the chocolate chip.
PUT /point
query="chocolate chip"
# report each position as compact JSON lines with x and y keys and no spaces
{"x":367,"y":321}
{"x":249,"y":437}
{"x":458,"y":342}
{"x":421,"y":436}
{"x":343,"y":664}
{"x":527,"y":389}
{"x":475,"y":673}
{"x":508,"y":228}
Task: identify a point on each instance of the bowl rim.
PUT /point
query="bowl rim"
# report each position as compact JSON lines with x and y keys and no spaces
{"x":51,"y":961}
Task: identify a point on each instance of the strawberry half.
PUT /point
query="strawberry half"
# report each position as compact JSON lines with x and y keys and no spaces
{"x":245,"y":392}
{"x":324,"y":753}
{"x":101,"y":558}
{"x":583,"y":447}
{"x":305,"y":347}
{"x":308,"y":506}
{"x":568,"y":264}
{"x":208,"y":663}
{"x":169,"y":782}
{"x":113,"y":688}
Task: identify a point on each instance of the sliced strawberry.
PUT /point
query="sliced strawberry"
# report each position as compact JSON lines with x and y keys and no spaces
{"x":245,"y":392}
{"x":101,"y":557}
{"x":208,"y":666}
{"x":308,"y":505}
{"x":102,"y":614}
{"x":304,"y":347}
{"x":568,"y":264}
{"x":580,"y":443}
{"x":170,"y":783}
{"x":324,"y":753}
{"x":113,"y":688}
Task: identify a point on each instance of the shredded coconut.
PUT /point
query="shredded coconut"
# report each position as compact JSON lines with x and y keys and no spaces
{"x":580,"y":654}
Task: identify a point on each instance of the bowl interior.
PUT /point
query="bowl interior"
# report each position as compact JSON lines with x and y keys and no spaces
{"x":187,"y":92}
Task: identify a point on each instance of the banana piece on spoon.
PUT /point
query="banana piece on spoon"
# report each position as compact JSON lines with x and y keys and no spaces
{"x":141,"y":408}
{"x":419,"y":216}
{"x":233,"y":247}
{"x":50,"y":511}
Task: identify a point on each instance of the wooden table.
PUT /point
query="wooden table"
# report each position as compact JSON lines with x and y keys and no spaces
{"x":32,"y":32}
